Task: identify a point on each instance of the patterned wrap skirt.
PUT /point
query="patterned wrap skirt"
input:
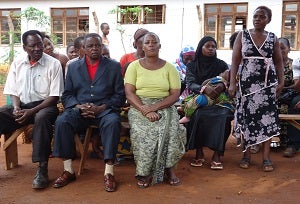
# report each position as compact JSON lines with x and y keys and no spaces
{"x":156,"y":145}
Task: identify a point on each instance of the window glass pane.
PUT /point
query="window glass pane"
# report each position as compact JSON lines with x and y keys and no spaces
{"x":83,"y":25}
{"x":291,"y":7}
{"x":211,"y":23}
{"x":57,"y":12}
{"x":155,"y":16}
{"x":71,"y":12}
{"x":226,"y":8}
{"x":17,"y":25}
{"x":83,"y":12}
{"x":290,"y":22}
{"x":5,"y":13}
{"x":4,"y":38}
{"x":226,"y":23}
{"x":224,"y":40}
{"x":4,"y":25}
{"x":129,"y":18}
{"x":71,"y":24}
{"x":211,"y":9}
{"x":240,"y":23}
{"x":211,"y":35}
{"x":58,"y":25}
{"x":241,"y":8}
{"x":70,"y":37}
{"x":292,"y":39}
{"x":18,"y":12}
{"x":59,"y":38}
{"x":17,"y":38}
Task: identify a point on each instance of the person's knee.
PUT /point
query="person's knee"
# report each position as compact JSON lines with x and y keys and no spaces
{"x":46,"y":114}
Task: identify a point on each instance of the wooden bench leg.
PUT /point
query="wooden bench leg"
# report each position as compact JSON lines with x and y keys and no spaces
{"x":10,"y":147}
{"x":10,"y":154}
{"x":83,"y":148}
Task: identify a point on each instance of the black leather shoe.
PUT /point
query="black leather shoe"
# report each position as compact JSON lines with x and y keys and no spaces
{"x":41,"y":179}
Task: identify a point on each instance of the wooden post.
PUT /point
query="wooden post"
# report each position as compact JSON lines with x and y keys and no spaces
{"x":200,"y":20}
{"x":11,"y":39}
{"x":96,"y":21}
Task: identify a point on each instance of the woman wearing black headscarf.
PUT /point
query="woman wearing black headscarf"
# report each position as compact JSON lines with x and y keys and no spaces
{"x":210,"y":126}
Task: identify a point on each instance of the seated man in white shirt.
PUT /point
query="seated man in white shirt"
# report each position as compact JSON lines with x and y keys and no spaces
{"x":34,"y":84}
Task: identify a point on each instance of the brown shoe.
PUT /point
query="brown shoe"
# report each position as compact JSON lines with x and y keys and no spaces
{"x":64,"y":179}
{"x":109,"y":183}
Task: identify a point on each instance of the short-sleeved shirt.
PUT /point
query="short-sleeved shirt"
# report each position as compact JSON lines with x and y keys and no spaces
{"x":152,"y":83}
{"x":125,"y":59}
{"x":68,"y":63}
{"x":296,"y":68}
{"x":34,"y":82}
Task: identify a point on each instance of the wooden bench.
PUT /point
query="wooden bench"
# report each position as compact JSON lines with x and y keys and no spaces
{"x":291,"y":118}
{"x":10,"y":146}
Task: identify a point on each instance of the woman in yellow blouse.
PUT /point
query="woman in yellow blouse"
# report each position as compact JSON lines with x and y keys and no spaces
{"x":152,"y":86}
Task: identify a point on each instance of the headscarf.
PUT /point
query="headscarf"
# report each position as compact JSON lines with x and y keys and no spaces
{"x":139,"y":33}
{"x":206,"y":67}
{"x":180,"y":66}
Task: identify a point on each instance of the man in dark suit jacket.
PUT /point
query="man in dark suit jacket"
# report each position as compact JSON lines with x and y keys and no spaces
{"x":93,"y":95}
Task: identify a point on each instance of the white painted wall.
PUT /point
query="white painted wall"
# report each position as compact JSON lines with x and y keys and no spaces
{"x":182,"y":25}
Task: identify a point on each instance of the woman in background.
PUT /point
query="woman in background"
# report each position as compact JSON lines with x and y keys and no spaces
{"x":49,"y":49}
{"x":186,"y":55}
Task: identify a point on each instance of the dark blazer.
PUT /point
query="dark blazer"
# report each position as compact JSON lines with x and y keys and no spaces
{"x":106,"y":88}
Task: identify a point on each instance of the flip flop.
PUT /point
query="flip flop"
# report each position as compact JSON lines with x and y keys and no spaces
{"x":174,"y":181}
{"x":216,"y":165}
{"x":245,"y":163}
{"x":144,"y":182}
{"x":268,"y":166}
{"x":197,"y":162}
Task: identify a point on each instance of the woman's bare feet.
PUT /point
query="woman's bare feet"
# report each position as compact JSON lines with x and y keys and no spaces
{"x":171,"y":177}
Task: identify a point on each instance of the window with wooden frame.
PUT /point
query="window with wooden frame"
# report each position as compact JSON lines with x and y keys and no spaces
{"x":222,"y":20}
{"x":141,"y":14}
{"x":69,"y":23}
{"x":290,"y":23}
{"x":4,"y":27}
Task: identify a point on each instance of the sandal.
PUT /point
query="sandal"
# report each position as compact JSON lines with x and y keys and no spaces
{"x":216,"y":165}
{"x":144,"y":182}
{"x":268,"y":166}
{"x":174,"y":181}
{"x":197,"y":162}
{"x":245,"y":163}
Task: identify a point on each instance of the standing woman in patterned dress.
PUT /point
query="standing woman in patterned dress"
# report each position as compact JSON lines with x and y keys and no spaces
{"x":260,"y":84}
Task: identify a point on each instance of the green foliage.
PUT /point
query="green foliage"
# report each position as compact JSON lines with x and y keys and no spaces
{"x":36,"y":16}
{"x":8,"y":55}
{"x":2,"y":77}
{"x":31,"y":15}
{"x":132,"y":12}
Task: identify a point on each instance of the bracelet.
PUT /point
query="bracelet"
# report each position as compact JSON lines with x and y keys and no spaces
{"x":202,"y":89}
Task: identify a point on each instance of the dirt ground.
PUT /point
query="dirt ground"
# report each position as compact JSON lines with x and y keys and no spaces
{"x":199,"y":184}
